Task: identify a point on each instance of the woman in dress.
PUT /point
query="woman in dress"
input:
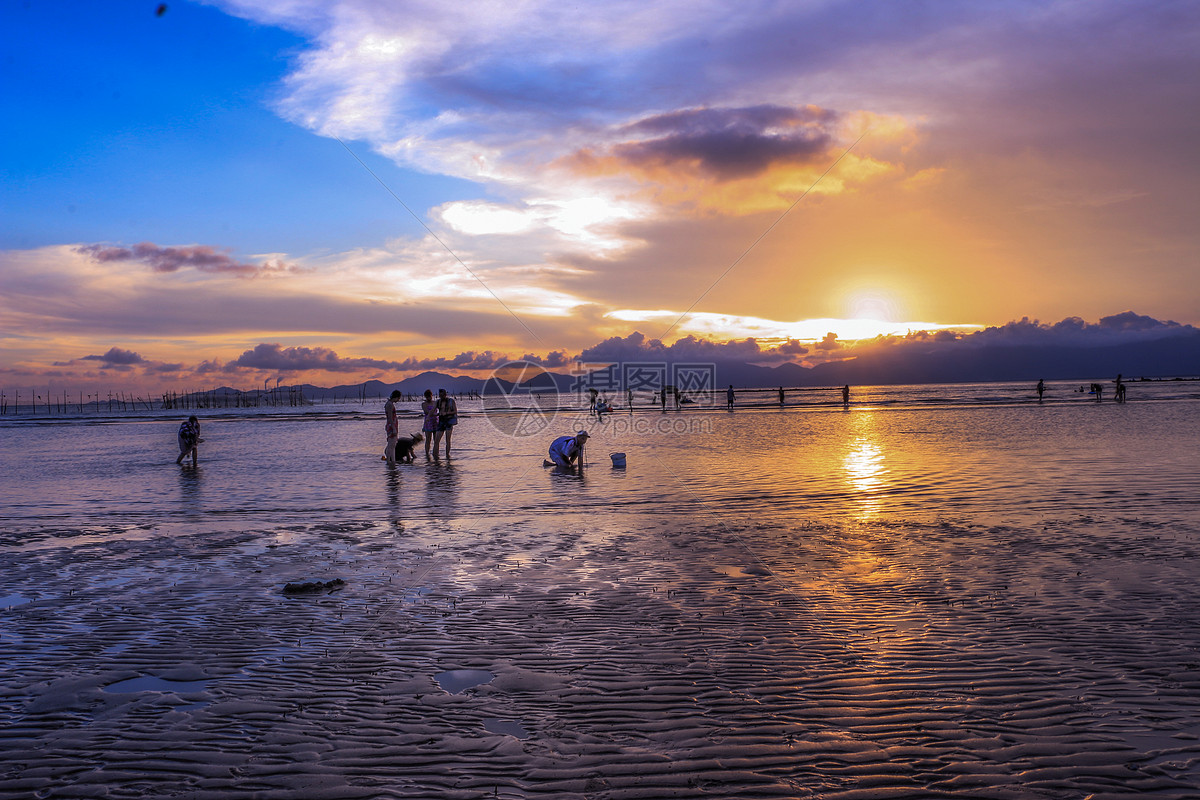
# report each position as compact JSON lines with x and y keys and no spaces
{"x":430,"y":424}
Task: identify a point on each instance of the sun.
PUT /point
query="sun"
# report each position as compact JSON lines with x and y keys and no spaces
{"x":876,"y":305}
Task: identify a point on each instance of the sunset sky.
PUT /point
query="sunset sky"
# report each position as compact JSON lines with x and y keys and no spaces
{"x":328,"y":191}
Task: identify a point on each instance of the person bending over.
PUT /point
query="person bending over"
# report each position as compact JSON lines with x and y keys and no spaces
{"x":189,"y":438}
{"x":566,"y":450}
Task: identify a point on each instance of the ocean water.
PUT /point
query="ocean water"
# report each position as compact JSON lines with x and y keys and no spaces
{"x":953,"y":452}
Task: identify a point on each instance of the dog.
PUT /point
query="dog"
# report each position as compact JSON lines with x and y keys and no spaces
{"x":405,"y":446}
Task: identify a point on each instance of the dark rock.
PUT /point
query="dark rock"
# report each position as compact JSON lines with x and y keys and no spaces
{"x":314,"y":587}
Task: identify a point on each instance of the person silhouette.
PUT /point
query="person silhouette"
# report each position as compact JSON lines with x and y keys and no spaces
{"x":1041,"y":388}
{"x":188,"y":438}
{"x":565,"y":450}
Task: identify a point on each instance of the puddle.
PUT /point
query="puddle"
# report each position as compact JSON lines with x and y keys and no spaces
{"x":10,"y":600}
{"x":507,"y":727}
{"x":148,"y":683}
{"x":457,"y":681}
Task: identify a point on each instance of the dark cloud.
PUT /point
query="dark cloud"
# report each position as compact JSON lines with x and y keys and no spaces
{"x":729,"y":143}
{"x":1124,"y":327}
{"x":173,"y":259}
{"x":487,"y":360}
{"x":829,"y":343}
{"x":636,"y":347}
{"x":277,"y":358}
{"x":116,"y":357}
{"x":792,"y":347}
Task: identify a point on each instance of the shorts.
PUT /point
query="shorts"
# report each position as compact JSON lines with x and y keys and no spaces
{"x":447,"y":424}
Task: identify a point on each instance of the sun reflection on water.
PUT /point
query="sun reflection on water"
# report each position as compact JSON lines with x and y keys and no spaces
{"x":864,"y":467}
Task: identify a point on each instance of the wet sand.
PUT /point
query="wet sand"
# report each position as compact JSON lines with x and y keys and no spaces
{"x":591,"y":656}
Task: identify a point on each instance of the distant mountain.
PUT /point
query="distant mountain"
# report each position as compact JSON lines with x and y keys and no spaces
{"x":960,"y":361}
{"x":1166,"y":357}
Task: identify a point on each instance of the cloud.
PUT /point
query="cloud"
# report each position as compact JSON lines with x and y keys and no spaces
{"x":202,"y":258}
{"x":728,"y":143}
{"x":487,"y":360}
{"x":829,"y":343}
{"x":637,"y":347}
{"x":1073,"y":331}
{"x":276,"y":358}
{"x":792,"y":348}
{"x":117,"y":357}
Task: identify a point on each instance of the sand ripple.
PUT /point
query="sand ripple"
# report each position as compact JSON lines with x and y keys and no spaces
{"x":606,"y":658}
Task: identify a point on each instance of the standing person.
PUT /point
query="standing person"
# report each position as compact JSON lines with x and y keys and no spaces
{"x":662,"y":398}
{"x":678,"y":401}
{"x":1119,"y":392}
{"x":1041,"y":389}
{"x":592,"y":392}
{"x":189,"y":438}
{"x":729,"y":398}
{"x":845,"y":395}
{"x":781,"y":397}
{"x":429,"y":424}
{"x":566,"y":449}
{"x":392,"y":427}
{"x":447,"y":414}
{"x":629,"y":399}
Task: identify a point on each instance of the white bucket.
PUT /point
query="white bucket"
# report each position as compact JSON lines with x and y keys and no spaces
{"x":618,"y":459}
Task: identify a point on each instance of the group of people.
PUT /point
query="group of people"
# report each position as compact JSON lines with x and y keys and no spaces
{"x":1096,"y":389}
{"x":438,"y":418}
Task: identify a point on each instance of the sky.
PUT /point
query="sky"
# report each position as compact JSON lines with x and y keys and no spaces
{"x":229,"y":193}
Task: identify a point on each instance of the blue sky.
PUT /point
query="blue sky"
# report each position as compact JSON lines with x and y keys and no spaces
{"x":177,"y":189}
{"x":137,"y":126}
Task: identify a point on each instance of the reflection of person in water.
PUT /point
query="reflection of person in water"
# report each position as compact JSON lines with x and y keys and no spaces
{"x":441,"y":488}
{"x":566,"y":450}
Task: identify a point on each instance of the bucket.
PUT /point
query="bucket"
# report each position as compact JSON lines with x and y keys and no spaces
{"x":618,"y":459}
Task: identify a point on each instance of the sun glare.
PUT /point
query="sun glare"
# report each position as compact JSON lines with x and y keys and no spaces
{"x":728,"y":326}
{"x":874,"y":304}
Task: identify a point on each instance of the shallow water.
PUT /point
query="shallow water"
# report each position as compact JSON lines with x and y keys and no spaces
{"x":954,"y":452}
{"x":965,"y":594}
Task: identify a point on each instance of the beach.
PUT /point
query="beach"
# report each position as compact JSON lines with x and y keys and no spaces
{"x":973,"y":602}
